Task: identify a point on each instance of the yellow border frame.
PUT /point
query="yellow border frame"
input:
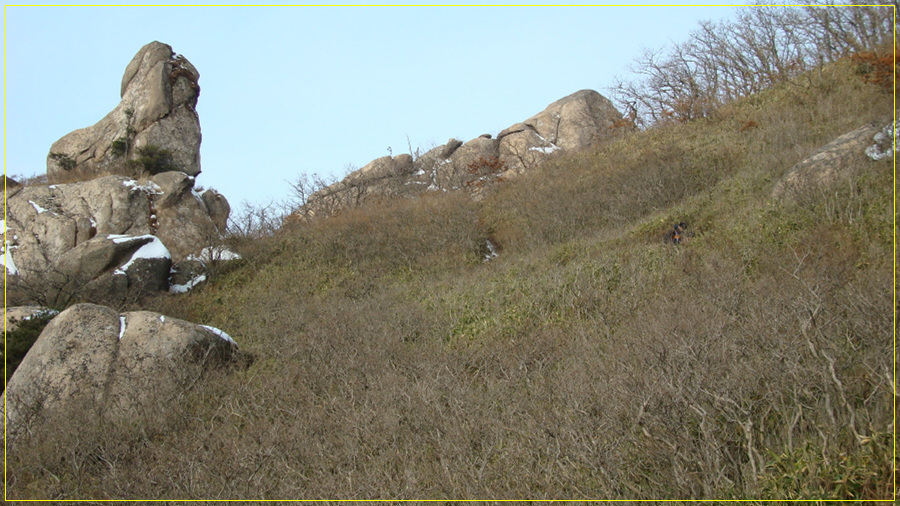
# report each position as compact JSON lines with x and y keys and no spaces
{"x":893,"y":232}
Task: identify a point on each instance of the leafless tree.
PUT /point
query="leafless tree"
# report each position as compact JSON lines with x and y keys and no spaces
{"x":764,"y":45}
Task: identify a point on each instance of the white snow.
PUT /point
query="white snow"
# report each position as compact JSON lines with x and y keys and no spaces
{"x":187,"y":286}
{"x":153,"y":249}
{"x":220,"y":334}
{"x":162,"y":319}
{"x":885,"y":143}
{"x":211,"y":253}
{"x":38,"y":208}
{"x":150,"y":187}
{"x":41,"y":313}
{"x":7,"y":259}
{"x":3,"y":226}
{"x":545,"y":149}
{"x":121,"y":327}
{"x":492,"y":251}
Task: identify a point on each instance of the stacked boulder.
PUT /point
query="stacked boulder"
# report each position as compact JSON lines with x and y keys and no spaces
{"x":121,"y":218}
{"x":110,"y":226}
{"x":158,"y":108}
{"x":575,"y":122}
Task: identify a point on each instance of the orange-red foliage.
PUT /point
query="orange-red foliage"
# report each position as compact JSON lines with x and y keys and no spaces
{"x":485,"y":170}
{"x":877,"y":68}
{"x":749,"y":125}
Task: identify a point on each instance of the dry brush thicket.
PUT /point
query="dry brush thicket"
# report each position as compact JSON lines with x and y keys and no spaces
{"x":720,"y":62}
{"x":589,"y":360}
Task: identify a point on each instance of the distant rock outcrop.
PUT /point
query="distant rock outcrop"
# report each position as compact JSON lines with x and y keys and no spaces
{"x":116,"y":364}
{"x":159,"y":95}
{"x":569,"y":124}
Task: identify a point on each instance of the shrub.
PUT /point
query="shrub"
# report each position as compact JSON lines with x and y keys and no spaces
{"x":19,"y":341}
{"x":483,"y":171}
{"x":153,"y":159}
{"x":65,"y":161}
{"x":119,"y":146}
{"x":878,"y":68}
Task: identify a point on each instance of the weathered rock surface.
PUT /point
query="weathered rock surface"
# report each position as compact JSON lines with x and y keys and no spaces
{"x":159,"y":94}
{"x":82,"y":234}
{"x":90,"y":356}
{"x":107,"y":265}
{"x":569,"y":124}
{"x":829,"y":164}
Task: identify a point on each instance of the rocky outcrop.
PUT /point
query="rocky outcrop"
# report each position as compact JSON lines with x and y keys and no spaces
{"x":109,"y":237}
{"x":90,"y":356}
{"x":109,"y":267}
{"x":833,"y":161}
{"x":572,"y":123}
{"x":159,"y":94}
{"x":123,"y":205}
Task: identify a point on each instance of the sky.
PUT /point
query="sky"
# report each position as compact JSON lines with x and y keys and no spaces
{"x":298,"y":90}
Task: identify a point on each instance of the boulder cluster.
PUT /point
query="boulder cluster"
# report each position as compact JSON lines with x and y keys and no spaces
{"x":572,"y":123}
{"x":119,"y":218}
{"x":111,"y":225}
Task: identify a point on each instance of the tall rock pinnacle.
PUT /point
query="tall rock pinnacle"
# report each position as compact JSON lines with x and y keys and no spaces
{"x":159,"y":95}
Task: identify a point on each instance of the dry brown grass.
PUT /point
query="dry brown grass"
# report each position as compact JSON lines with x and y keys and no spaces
{"x":590,"y":360}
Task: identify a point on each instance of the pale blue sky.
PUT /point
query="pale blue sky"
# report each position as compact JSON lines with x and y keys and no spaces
{"x":288,"y":90}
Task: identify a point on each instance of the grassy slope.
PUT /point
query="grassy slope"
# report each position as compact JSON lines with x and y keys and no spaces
{"x":588,"y":360}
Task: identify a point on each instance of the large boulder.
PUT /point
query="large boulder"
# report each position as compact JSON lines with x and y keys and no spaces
{"x":575,"y":122}
{"x":828,"y":164}
{"x":381,"y":178}
{"x":217,"y":207}
{"x":386,"y":166}
{"x":186,"y":219}
{"x":93,"y":357}
{"x":113,"y":267}
{"x":159,"y":94}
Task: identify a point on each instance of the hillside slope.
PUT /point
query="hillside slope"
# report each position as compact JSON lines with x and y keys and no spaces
{"x":588,"y":359}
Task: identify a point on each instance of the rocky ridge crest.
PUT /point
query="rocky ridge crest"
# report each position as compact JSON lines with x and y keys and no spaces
{"x":575,"y":122}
